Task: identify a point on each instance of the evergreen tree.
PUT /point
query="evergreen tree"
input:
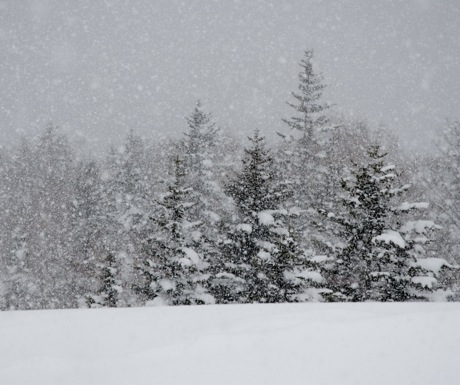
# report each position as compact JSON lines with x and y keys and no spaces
{"x":129,"y":186}
{"x":41,"y":269}
{"x":109,"y":286}
{"x":262,"y":260}
{"x":172,"y":272}
{"x":349,"y":141}
{"x":128,"y":198}
{"x":201,"y":164}
{"x":381,"y":259}
{"x":13,"y":241}
{"x":90,"y":224}
{"x":438,"y":178}
{"x":310,"y":111}
{"x":309,"y":160}
{"x":199,"y":142}
{"x":201,"y":148}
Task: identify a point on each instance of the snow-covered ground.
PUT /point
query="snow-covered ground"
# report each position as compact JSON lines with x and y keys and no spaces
{"x":336,"y":344}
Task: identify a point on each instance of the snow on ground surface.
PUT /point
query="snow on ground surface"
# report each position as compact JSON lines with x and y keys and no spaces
{"x":334,"y":344}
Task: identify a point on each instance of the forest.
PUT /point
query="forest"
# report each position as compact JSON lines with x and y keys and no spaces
{"x":333,"y":211}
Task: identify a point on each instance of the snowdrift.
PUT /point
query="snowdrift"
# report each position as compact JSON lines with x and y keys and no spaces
{"x":334,"y":344}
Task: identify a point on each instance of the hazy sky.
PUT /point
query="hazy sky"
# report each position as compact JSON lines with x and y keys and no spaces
{"x":99,"y":68}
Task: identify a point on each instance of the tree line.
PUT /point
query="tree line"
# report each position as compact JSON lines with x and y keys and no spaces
{"x":334,"y":211}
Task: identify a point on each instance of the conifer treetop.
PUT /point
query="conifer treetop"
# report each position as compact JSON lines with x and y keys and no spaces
{"x":254,"y":190}
{"x":307,"y":100}
{"x":380,"y":259}
{"x":200,"y":138}
{"x":198,"y":118}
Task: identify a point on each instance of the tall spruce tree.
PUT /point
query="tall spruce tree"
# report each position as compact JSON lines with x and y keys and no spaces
{"x":16,"y":227}
{"x":199,"y":142}
{"x":199,"y":149}
{"x":91,"y":225}
{"x":262,"y":259}
{"x":42,"y":272}
{"x":128,"y":198}
{"x":437,"y":175}
{"x":308,"y":159}
{"x":109,"y":284}
{"x":172,"y":272}
{"x":382,"y":259}
{"x":309,"y":117}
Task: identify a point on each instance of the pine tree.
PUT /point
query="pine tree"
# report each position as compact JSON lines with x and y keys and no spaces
{"x":199,"y":149}
{"x":437,"y":175}
{"x":14,"y":254}
{"x":310,"y":117}
{"x":262,"y":260}
{"x":41,"y":268}
{"x":91,"y":225}
{"x":128,"y":198}
{"x":201,"y":164}
{"x":172,"y":272}
{"x":129,"y":185}
{"x":199,"y":142}
{"x":109,"y":285}
{"x":381,"y":257}
{"x":309,"y":160}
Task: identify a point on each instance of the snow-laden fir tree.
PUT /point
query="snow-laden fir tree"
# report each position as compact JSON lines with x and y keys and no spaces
{"x":14,"y":240}
{"x":110,"y":287}
{"x":127,"y":182}
{"x":172,"y":272}
{"x":449,"y":178}
{"x":199,"y":151}
{"x":382,"y":258}
{"x":42,"y":272}
{"x":309,"y":117}
{"x":91,"y":225}
{"x":200,"y":140}
{"x":128,"y":198}
{"x":350,"y":139}
{"x":307,"y":155}
{"x":438,"y":176}
{"x":262,"y":261}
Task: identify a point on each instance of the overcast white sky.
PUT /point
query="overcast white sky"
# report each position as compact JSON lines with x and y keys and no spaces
{"x":99,"y":68}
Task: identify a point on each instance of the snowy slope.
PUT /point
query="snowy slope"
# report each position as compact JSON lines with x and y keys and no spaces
{"x":332,"y":344}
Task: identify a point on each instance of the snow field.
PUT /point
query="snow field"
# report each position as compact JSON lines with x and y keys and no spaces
{"x":333,"y":344}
